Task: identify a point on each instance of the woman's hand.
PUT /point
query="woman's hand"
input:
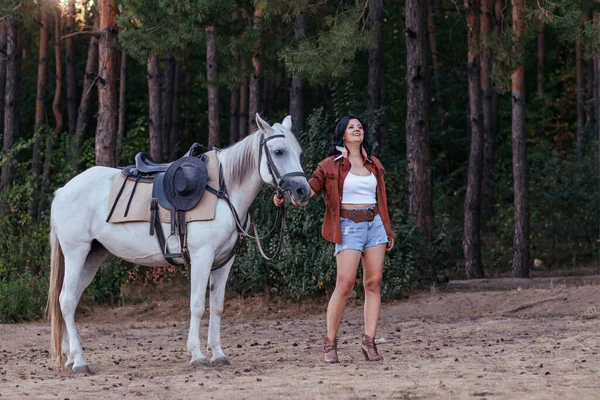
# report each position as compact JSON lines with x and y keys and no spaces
{"x":278,"y":201}
{"x":281,"y":201}
{"x":390,"y":245}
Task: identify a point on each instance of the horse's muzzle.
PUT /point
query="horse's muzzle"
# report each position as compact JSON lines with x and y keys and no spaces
{"x":298,"y":188}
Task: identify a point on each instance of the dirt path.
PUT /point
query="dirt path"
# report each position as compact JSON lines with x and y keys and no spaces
{"x":518,"y":344}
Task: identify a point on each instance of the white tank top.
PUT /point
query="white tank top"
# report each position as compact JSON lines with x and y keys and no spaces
{"x":359,"y":189}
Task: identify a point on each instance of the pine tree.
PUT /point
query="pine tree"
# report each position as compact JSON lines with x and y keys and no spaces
{"x":418,"y":146}
{"x":106,"y":129}
{"x":472,"y":207}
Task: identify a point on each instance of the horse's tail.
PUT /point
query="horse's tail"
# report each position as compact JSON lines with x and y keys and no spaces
{"x":57,"y":275}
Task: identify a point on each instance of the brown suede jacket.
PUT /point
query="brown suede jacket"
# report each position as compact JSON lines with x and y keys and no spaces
{"x":329,"y":178}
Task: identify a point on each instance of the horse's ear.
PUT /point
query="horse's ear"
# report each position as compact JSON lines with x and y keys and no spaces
{"x":287,"y":122}
{"x":262,"y":124}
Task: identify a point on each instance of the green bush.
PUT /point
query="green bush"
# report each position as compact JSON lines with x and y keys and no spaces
{"x":106,"y":286}
{"x":23,"y":298}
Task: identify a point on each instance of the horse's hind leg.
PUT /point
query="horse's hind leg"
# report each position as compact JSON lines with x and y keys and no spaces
{"x":218,"y":280}
{"x":81,"y":265}
{"x":199,"y":279}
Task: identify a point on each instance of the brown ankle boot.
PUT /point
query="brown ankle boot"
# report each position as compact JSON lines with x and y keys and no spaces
{"x":369,"y":349}
{"x":330,"y":350}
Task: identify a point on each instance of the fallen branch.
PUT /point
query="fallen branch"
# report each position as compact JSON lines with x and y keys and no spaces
{"x":535,"y":303}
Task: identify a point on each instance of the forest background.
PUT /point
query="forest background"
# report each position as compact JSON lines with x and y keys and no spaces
{"x":485,"y":115}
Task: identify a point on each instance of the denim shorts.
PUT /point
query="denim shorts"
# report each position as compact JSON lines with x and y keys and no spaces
{"x":359,"y":236}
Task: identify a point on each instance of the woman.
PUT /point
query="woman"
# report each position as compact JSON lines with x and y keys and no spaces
{"x":357,"y":221}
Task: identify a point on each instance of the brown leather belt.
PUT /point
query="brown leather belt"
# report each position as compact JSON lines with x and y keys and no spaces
{"x":360,"y":215}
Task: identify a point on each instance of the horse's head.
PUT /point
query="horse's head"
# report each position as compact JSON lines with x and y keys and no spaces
{"x":279,"y":163}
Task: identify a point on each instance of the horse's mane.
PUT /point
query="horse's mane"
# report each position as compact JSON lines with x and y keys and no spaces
{"x":241,"y":160}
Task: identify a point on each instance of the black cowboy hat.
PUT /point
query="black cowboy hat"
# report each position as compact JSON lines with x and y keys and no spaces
{"x":184,"y":182}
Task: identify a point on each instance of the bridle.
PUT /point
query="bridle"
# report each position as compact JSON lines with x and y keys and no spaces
{"x":276,"y":177}
{"x":276,"y":181}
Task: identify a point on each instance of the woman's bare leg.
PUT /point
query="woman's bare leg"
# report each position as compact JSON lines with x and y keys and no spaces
{"x":372,"y":261}
{"x":347,"y":264}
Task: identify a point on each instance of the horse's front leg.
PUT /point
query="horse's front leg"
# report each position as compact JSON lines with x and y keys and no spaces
{"x":200,"y":271}
{"x":218,"y":280}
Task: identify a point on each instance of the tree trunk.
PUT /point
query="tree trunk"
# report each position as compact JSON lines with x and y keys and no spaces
{"x":589,"y":70}
{"x":40,"y":107}
{"x":122,"y":87}
{"x":580,"y":91}
{"x":234,"y":93}
{"x":596,"y":89}
{"x":433,"y":46}
{"x":472,"y":222}
{"x":418,"y":146}
{"x":234,"y":115}
{"x":2,"y":73}
{"x":487,"y":92}
{"x":375,"y":75}
{"x":298,"y":81}
{"x":267,"y":98}
{"x":58,"y":60}
{"x":71,"y":79}
{"x":11,"y":105}
{"x":106,"y":130}
{"x":257,"y":64}
{"x":212,"y":79}
{"x":154,"y":108}
{"x":243,"y":125}
{"x":297,"y":103}
{"x":520,"y":267}
{"x":234,"y":102}
{"x":167,"y":106}
{"x":83,"y":114}
{"x":45,"y":187}
{"x":174,"y":134}
{"x":488,"y":192}
{"x":541,"y":53}
{"x":243,"y":119}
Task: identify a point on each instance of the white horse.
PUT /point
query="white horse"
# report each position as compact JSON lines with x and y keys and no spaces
{"x":81,"y":239}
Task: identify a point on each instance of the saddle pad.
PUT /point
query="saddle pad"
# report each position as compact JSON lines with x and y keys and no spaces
{"x":139,"y":210}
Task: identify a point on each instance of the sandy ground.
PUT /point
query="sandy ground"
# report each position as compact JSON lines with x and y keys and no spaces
{"x":470,"y":344}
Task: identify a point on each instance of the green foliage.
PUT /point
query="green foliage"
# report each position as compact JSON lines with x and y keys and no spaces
{"x":23,"y":298}
{"x":24,"y":255}
{"x":23,"y":244}
{"x":136,"y":140}
{"x":9,"y":156}
{"x":329,"y":55}
{"x":161,"y":27}
{"x":21,"y":10}
{"x":106,"y":286}
{"x":509,"y":53}
{"x":565,"y":210}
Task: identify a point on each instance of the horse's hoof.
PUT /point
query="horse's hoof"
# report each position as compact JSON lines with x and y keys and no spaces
{"x":200,"y":363}
{"x":219,"y":362}
{"x":82,"y":369}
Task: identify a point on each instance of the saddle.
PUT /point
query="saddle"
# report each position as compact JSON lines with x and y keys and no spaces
{"x":178,"y":187}
{"x":145,"y":164}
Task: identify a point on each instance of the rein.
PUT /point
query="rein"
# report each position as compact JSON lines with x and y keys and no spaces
{"x":277,"y":179}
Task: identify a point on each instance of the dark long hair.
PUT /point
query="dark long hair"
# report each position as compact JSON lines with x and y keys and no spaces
{"x":338,"y":135}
